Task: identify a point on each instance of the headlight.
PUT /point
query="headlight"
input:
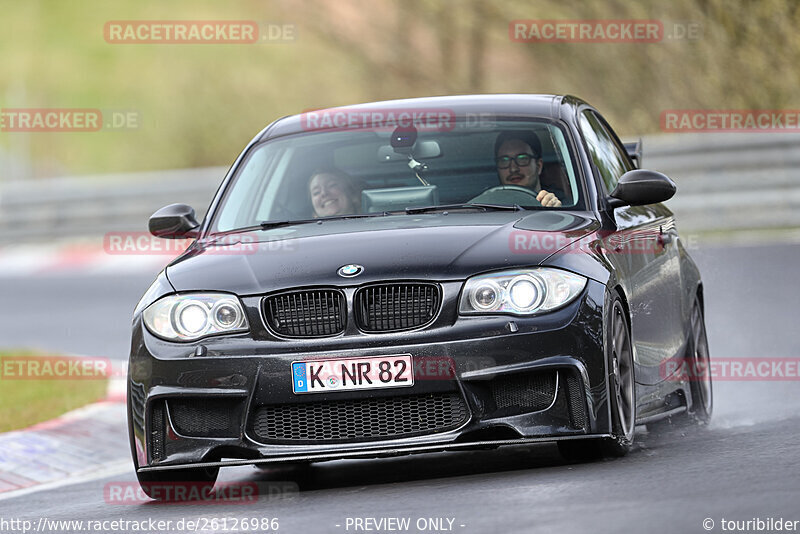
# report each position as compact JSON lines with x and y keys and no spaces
{"x":192,"y":316}
{"x":522,"y":292}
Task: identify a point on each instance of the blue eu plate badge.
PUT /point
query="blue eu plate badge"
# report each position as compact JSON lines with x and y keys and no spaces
{"x":299,"y":376}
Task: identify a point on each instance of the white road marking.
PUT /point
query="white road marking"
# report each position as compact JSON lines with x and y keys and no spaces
{"x":109,"y":470}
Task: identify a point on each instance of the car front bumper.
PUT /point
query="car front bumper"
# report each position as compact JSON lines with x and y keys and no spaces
{"x":491,"y":380}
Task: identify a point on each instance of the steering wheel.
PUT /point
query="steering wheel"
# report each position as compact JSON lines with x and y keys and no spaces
{"x":507,"y":194}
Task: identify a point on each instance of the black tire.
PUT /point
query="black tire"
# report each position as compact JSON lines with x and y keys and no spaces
{"x":622,"y":395}
{"x":162,"y":485}
{"x":696,"y":368}
{"x":699,"y":362}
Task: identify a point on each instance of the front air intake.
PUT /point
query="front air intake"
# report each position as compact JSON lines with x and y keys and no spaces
{"x":203,"y":417}
{"x":525,"y":392}
{"x":158,"y":431}
{"x":306,"y":313}
{"x":359,"y":419}
{"x":396,"y":307}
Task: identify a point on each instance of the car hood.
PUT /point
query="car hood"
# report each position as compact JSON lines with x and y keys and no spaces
{"x":434,"y":246}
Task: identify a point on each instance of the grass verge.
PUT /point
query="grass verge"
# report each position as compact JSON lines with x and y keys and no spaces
{"x":26,"y":399}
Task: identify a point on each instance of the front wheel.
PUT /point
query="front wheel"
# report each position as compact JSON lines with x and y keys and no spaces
{"x":622,"y":395}
{"x":700,"y":369}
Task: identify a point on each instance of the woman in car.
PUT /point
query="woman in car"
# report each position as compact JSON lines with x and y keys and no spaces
{"x":334,"y":192}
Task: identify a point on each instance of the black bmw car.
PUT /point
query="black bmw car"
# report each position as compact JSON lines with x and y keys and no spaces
{"x":415,"y":276}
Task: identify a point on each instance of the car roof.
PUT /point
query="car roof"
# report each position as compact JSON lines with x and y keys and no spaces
{"x":549,"y":106}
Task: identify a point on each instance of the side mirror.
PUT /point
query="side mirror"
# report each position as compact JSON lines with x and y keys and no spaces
{"x":173,"y":222}
{"x":640,"y":187}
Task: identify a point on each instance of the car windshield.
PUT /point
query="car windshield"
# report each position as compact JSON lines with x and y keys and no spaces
{"x":468,"y":165}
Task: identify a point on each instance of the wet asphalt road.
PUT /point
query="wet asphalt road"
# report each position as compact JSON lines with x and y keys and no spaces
{"x":745,"y":465}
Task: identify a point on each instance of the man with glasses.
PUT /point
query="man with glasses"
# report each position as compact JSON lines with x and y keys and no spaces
{"x":518,"y":156}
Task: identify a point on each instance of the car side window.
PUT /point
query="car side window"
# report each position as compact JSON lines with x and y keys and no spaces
{"x":608,"y":156}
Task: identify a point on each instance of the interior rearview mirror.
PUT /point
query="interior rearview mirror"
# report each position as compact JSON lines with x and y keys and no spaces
{"x":422,"y":150}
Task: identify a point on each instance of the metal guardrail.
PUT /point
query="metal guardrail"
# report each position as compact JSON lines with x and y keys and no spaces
{"x":725,"y":182}
{"x":730,"y":181}
{"x":60,"y":208}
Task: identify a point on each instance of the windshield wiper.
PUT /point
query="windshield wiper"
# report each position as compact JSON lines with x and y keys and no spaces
{"x":266,"y":225}
{"x":484,"y":207}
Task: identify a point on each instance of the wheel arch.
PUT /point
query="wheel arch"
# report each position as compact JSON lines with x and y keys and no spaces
{"x":621,"y":292}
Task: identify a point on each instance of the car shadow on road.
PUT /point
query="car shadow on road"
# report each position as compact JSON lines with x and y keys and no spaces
{"x":661,"y":444}
{"x":345,"y":473}
{"x":419,"y":467}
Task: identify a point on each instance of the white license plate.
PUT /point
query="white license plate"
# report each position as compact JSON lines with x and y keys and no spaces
{"x":323,"y":376}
